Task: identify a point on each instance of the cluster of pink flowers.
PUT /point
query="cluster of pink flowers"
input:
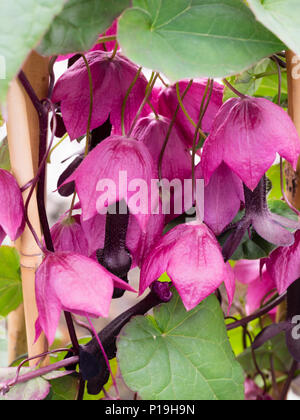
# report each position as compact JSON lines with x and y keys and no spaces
{"x":244,"y":135}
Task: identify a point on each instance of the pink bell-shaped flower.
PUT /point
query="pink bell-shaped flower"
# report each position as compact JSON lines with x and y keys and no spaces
{"x":245,"y":136}
{"x":73,"y":283}
{"x":192,"y":258}
{"x":152,"y":132}
{"x":112,"y":78}
{"x":176,"y":163}
{"x":260,"y":284}
{"x":222,"y":197}
{"x":113,"y":171}
{"x":12,"y":221}
{"x":283,"y":265}
{"x":168,"y":102}
{"x":68,"y":236}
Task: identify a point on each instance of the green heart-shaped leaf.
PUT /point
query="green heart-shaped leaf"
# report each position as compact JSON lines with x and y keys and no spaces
{"x":79,"y":24}
{"x":180,"y":355}
{"x":280,"y":17}
{"x":22,"y":25}
{"x":194,"y":38}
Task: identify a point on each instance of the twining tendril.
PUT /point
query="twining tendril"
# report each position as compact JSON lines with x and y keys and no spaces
{"x":51,"y":76}
{"x":47,"y":102}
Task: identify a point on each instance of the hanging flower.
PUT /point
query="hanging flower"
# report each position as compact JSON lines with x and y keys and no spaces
{"x":261,"y":286}
{"x":168,"y":102}
{"x":176,"y":163}
{"x":270,"y":226}
{"x":73,"y":283}
{"x":222,"y":197}
{"x":246,"y":135}
{"x":12,"y":221}
{"x":68,"y":236}
{"x":283,"y":265}
{"x":152,"y":132}
{"x":192,"y":258}
{"x":112,"y":172}
{"x":112,"y":78}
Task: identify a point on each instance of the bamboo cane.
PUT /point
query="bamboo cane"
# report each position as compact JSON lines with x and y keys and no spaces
{"x":293,"y":71}
{"x":23,"y":139}
{"x":292,"y":177}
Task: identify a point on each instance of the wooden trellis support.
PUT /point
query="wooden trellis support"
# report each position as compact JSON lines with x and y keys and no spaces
{"x":23,"y":139}
{"x":293,"y":178}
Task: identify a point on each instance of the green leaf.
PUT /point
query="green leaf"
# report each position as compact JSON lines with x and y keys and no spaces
{"x":194,"y":38}
{"x":268,"y":86}
{"x":247,"y":82}
{"x":64,"y":388}
{"x":22,"y":25}
{"x":282,"y":209}
{"x":10,"y":280}
{"x":282,"y":17}
{"x":78,"y":26}
{"x":276,"y":348}
{"x":250,"y":249}
{"x":260,"y":80}
{"x":180,"y":355}
{"x":274,"y":176}
{"x":1,"y":120}
{"x":4,"y":155}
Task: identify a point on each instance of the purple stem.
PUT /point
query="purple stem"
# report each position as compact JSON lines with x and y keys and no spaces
{"x":52,"y":76}
{"x":44,"y":371}
{"x":266,"y":309}
{"x":104,"y":355}
{"x":40,"y":356}
{"x":289,"y":381}
{"x":160,"y":294}
{"x":40,"y":179}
